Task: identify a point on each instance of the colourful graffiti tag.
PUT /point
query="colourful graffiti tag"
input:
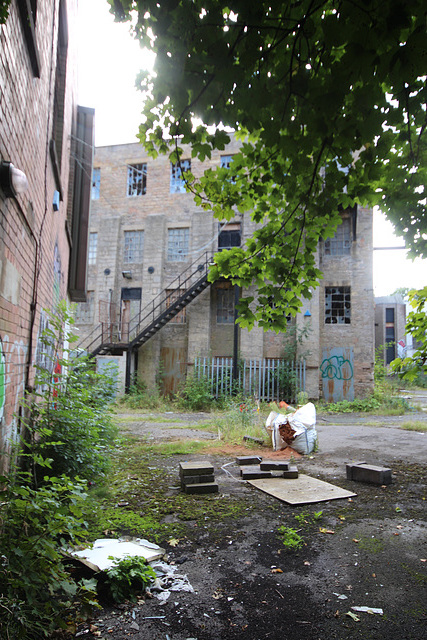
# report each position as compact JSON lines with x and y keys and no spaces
{"x":337,"y":368}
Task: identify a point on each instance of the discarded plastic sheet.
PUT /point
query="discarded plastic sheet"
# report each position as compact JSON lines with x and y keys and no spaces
{"x":167,"y":581}
{"x":301,"y":490}
{"x":99,"y":556}
{"x":298,"y":430}
{"x":369,"y":610}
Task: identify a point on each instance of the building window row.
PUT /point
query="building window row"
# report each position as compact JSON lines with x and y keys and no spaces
{"x":137,"y":177}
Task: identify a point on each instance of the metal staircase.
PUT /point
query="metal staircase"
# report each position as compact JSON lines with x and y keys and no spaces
{"x":115,"y":338}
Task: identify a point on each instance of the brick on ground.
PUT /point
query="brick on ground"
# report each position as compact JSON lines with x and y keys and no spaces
{"x":274,"y":465}
{"x":253,"y":472}
{"x":291,"y":473}
{"x":195,"y":468}
{"x":245,"y":460}
{"x":369,"y":473}
{"x":202,"y":488}
{"x":197,"y":479}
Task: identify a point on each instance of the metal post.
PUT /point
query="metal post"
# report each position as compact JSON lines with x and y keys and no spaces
{"x":128,"y":370}
{"x":235,"y":339}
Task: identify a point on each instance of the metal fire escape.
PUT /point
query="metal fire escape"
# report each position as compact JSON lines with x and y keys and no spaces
{"x":117,"y":337}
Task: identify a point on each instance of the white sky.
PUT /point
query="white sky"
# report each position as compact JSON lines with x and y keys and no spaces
{"x":109,"y":60}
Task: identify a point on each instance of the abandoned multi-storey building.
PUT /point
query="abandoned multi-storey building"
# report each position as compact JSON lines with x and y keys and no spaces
{"x":46,"y":161}
{"x":147,"y":236}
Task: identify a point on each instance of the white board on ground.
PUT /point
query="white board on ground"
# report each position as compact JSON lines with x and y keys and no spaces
{"x":104,"y":549}
{"x":301,"y":490}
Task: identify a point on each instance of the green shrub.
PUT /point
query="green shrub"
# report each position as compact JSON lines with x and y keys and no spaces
{"x":196,"y":394}
{"x":129,"y":577}
{"x":36,"y":525}
{"x":67,"y":418}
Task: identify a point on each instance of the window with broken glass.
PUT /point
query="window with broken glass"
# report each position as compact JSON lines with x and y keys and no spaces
{"x":177,"y":184}
{"x":137,"y":180}
{"x":96,"y":183}
{"x":337,"y":305}
{"x":340,"y":243}
{"x":133,"y":246}
{"x":178,"y":241}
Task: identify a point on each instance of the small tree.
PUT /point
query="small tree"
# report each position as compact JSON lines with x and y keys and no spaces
{"x":416,"y":324}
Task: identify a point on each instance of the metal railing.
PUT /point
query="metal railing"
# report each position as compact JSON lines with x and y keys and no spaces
{"x":109,"y":335}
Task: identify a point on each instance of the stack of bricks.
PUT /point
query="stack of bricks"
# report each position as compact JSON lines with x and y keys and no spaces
{"x":253,"y":468}
{"x":197,"y":477}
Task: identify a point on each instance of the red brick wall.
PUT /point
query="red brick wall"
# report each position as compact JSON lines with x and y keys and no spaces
{"x":34,"y":247}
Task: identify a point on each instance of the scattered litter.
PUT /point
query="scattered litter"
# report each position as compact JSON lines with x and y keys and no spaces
{"x":352,"y":615}
{"x":297,"y":430}
{"x":368,"y":610}
{"x":341,"y":596}
{"x":324,"y":530}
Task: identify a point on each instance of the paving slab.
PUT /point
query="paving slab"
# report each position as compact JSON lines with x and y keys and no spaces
{"x":303,"y":490}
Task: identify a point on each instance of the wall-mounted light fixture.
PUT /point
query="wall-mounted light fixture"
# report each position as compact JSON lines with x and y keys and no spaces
{"x":150,"y":269}
{"x":13,"y":181}
{"x":127,"y":275}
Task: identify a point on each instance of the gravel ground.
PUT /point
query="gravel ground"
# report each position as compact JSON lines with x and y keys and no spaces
{"x":372,"y":551}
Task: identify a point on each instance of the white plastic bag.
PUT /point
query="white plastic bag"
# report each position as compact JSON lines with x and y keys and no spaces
{"x":303,"y":422}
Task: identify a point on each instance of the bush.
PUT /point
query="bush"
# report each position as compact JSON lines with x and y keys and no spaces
{"x":128,"y":577}
{"x":35,"y":527}
{"x":196,"y":394}
{"x":67,"y":418}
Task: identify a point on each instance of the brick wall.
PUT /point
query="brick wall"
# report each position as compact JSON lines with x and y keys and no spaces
{"x":34,"y":247}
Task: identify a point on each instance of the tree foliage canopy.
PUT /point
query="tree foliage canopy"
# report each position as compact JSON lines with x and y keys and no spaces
{"x":328,"y":98}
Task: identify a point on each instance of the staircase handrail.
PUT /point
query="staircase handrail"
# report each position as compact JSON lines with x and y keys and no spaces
{"x":179,"y":283}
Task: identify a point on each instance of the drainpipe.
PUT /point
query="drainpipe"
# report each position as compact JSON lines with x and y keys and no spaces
{"x":236,"y":338}
{"x":128,"y":369}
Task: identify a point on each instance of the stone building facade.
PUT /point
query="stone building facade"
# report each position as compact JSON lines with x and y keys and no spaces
{"x":390,"y":323}
{"x":43,"y":229}
{"x":145,"y":229}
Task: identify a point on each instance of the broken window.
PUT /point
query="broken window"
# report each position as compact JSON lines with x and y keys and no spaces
{"x":96,"y":183}
{"x":178,"y":240}
{"x":172,"y":296}
{"x":137,"y":180}
{"x":225,"y":305}
{"x":84,"y":314}
{"x":340,"y":243}
{"x":337,"y":305}
{"x":226,"y":162}
{"x":229,"y":235}
{"x":134,"y":246}
{"x":93,"y":245}
{"x":177,"y":184}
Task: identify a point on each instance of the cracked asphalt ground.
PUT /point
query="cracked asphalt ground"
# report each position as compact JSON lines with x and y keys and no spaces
{"x":371,"y":552}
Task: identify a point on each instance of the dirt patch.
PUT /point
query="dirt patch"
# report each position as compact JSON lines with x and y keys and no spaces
{"x":366,"y":551}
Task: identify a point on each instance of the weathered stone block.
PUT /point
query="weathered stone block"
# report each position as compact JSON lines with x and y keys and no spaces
{"x":197,"y":479}
{"x":253,"y":472}
{"x":202,"y":488}
{"x":275,"y":465}
{"x":195,"y":468}
{"x":291,"y":473}
{"x":243,"y":460}
{"x":368,"y":473}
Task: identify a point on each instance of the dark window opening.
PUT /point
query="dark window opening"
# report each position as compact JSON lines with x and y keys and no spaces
{"x":28,"y":17}
{"x":225,"y":305}
{"x":137,"y":180}
{"x":60,"y":82}
{"x":337,"y":305}
{"x":229,"y":236}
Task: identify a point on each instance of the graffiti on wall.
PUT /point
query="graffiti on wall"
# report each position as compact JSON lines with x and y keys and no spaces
{"x":13,"y":360}
{"x":337,"y":371}
{"x":337,"y":368}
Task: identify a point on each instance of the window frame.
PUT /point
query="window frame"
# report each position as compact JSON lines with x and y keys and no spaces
{"x":341,"y":241}
{"x":174,"y":253}
{"x":96,"y":183}
{"x":92,"y":251}
{"x":338,"y":304}
{"x":85,"y":310}
{"x":128,"y":250}
{"x":225,"y":305}
{"x":136,"y":181}
{"x":177,"y":182}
